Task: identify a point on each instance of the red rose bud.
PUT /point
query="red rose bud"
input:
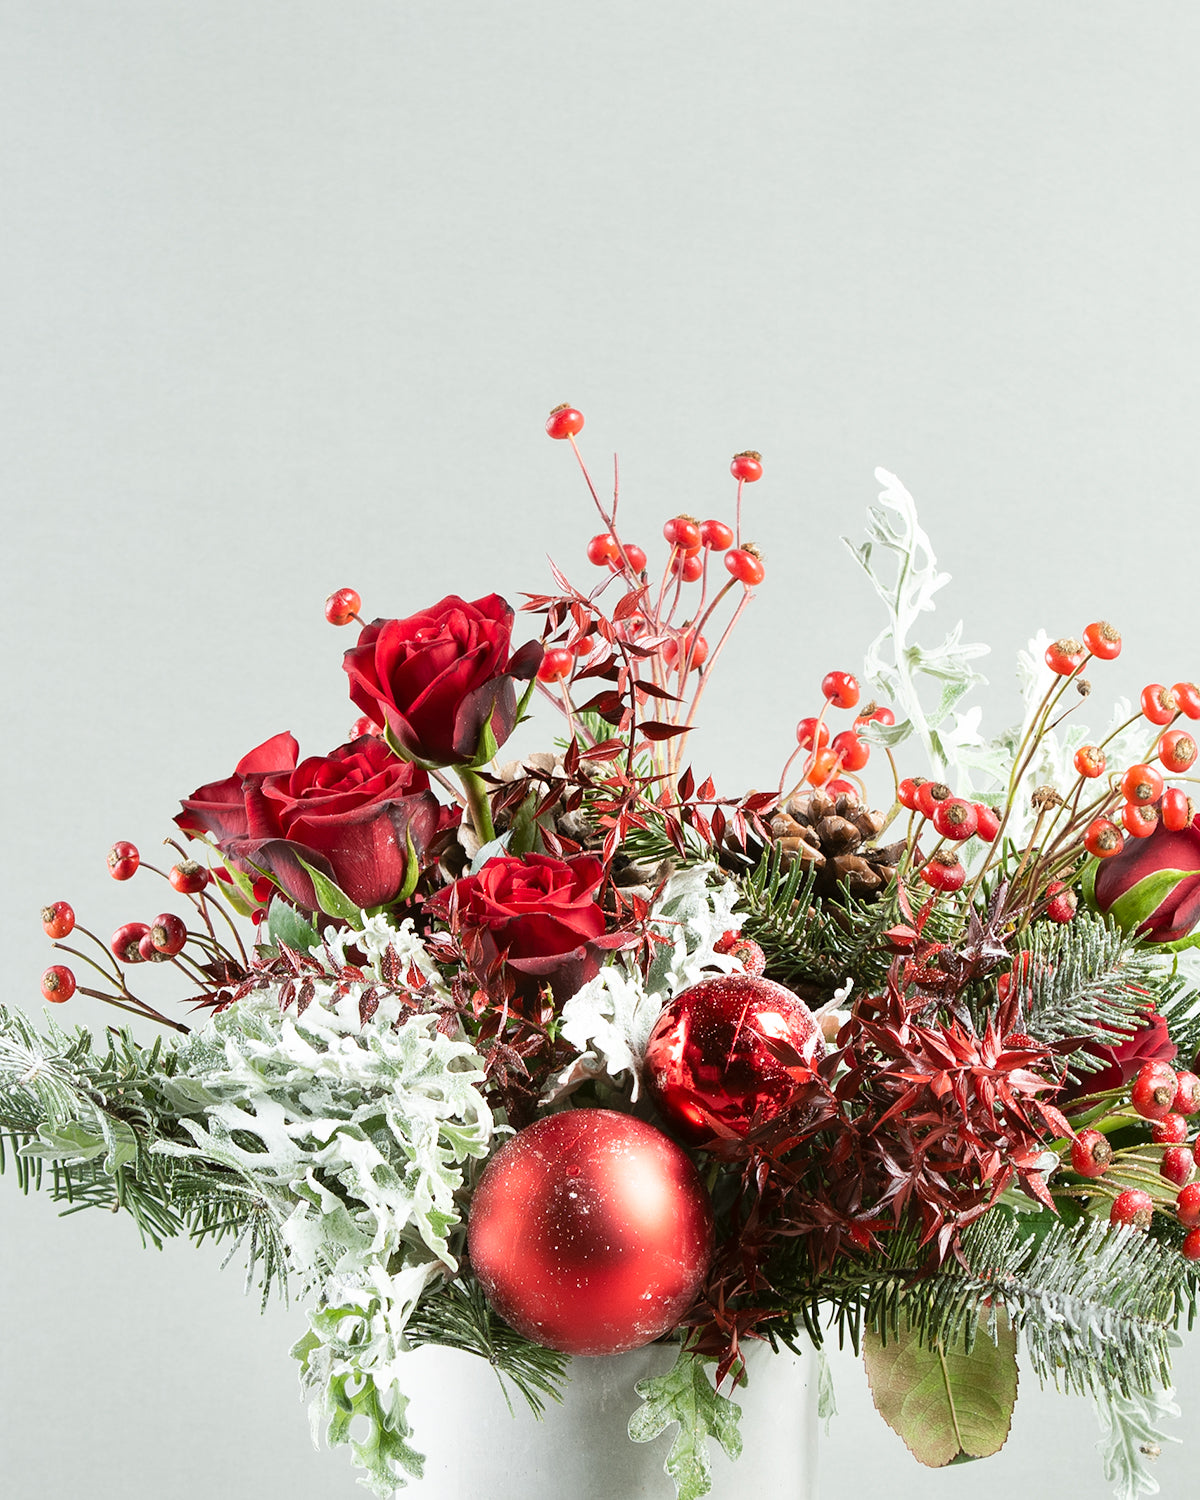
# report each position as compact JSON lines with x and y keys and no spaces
{"x":1124,"y":1058}
{"x":1152,"y":885}
{"x":442,"y":681}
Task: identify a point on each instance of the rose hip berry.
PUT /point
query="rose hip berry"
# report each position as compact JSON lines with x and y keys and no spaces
{"x":747,"y":466}
{"x":1133,"y":1208}
{"x":342,"y":606}
{"x":1187,"y":1205}
{"x":1159,"y":703}
{"x":1062,"y":903}
{"x":1065,"y":656}
{"x":677,"y":651}
{"x":1187,"y":1094}
{"x":123,"y":860}
{"x":908,"y":791}
{"x":1141,"y":783}
{"x":556,"y":664}
{"x":1103,"y":838}
{"x":564,"y":422}
{"x":687,"y":565}
{"x":812,"y":733}
{"x":944,"y":872}
{"x":1176,"y":809}
{"x":1102,"y":640}
{"x":1090,"y":760}
{"x":1140,"y":819}
{"x":853,"y":752}
{"x":682,"y":532}
{"x":929,"y":794}
{"x":603,"y":549}
{"x":821,"y":766}
{"x":1177,"y":750}
{"x":1090,"y":1153}
{"x":987,"y":822}
{"x":1177,"y":1165}
{"x":955,"y":818}
{"x":58,"y":919}
{"x":746,"y":566}
{"x":125,"y":940}
{"x":637,"y":558}
{"x":58,"y":984}
{"x":188,"y":877}
{"x":841,"y":689}
{"x":168,"y":933}
{"x":716,"y":535}
{"x":875,"y":713}
{"x":1154,"y":1089}
{"x":1190,"y":1249}
{"x":1171,"y":1130}
{"x":1187,"y":695}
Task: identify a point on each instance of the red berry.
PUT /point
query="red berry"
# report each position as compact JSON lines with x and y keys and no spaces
{"x":944,"y":872}
{"x":676,"y":650}
{"x":1090,"y":760}
{"x":840,"y":788}
{"x":1187,"y":695}
{"x":716,"y":535}
{"x":1171,"y":1130}
{"x":841,"y":689}
{"x":168,"y":933}
{"x":687,"y":565}
{"x":584,"y":646}
{"x":1133,"y":1207}
{"x":875,"y":713}
{"x":1141,"y":783}
{"x":147,"y":952}
{"x":1187,"y":1094}
{"x":556,"y":664}
{"x":125,"y":941}
{"x":635,"y":556}
{"x":682,"y":532}
{"x":853,"y":752}
{"x":1177,"y":750}
{"x":1103,"y":838}
{"x":821,"y":766}
{"x":188,"y":877}
{"x":58,"y":920}
{"x":363,"y":726}
{"x":1159,"y":703}
{"x":954,"y":818}
{"x":1065,"y":656}
{"x":1187,"y":1205}
{"x":564,"y":422}
{"x":987,"y":822}
{"x":123,"y":860}
{"x":1190,"y":1249}
{"x":1102,"y":640}
{"x":1090,"y":1153}
{"x":342,"y":606}
{"x":1062,"y":903}
{"x":1176,"y":809}
{"x":58,"y":984}
{"x":1140,"y":819}
{"x":908,"y":790}
{"x":747,"y":466}
{"x":603,"y":549}
{"x":1154,"y":1090}
{"x":929,"y":794}
{"x":805,"y":731}
{"x":745,"y":566}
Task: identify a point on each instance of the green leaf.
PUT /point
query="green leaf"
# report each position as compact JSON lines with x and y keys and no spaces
{"x":685,"y":1395}
{"x":486,"y":745}
{"x":332,"y":900}
{"x":1133,"y":906}
{"x":945,"y":1401}
{"x":412,"y":870}
{"x":286,"y":925}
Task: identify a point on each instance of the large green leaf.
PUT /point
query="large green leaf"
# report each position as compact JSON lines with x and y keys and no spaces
{"x":947,"y":1404}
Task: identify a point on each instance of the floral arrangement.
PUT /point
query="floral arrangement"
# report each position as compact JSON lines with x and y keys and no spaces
{"x":562,"y":1055}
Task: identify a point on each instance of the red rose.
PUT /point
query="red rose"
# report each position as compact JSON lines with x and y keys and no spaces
{"x":537,"y":916}
{"x":350,"y":814}
{"x":439,"y":677}
{"x":220,"y":808}
{"x":1152,"y":885}
{"x":1151,"y":1042}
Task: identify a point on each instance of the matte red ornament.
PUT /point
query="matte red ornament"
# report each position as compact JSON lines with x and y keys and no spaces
{"x":590,"y":1232}
{"x":727,"y":1051}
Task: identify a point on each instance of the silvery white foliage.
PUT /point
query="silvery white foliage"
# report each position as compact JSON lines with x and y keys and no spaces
{"x":610,"y":1018}
{"x":894,"y":661}
{"x":1132,"y":1428}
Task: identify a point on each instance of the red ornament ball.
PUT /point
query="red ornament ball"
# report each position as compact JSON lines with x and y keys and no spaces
{"x":728,"y":1050}
{"x":590,"y":1232}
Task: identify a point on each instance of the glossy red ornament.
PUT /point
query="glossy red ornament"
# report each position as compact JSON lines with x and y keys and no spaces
{"x":727,"y":1050}
{"x":590,"y":1232}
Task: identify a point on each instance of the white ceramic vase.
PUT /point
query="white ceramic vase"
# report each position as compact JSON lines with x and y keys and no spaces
{"x":476,"y":1450}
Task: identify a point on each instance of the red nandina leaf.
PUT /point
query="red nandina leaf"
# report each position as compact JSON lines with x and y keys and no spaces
{"x":718,"y":825}
{"x":652,"y":729}
{"x":630,"y":603}
{"x":686,"y":784}
{"x":757,"y":801}
{"x":605,"y":750}
{"x":608,"y":705}
{"x":707,"y":790}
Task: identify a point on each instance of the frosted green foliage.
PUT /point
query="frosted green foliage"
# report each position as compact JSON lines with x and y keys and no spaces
{"x":1131,"y":1425}
{"x":610,"y":1018}
{"x":897,"y":667}
{"x":357,"y":1135}
{"x":685,"y":1395}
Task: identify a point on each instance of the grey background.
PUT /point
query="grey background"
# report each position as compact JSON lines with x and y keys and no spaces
{"x":288,"y":289}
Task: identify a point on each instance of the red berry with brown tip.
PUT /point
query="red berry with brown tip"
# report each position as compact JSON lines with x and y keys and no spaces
{"x":1171,"y":1130}
{"x":147,"y":952}
{"x":821,"y":766}
{"x":1065,"y":656}
{"x":1154,"y":1089}
{"x":1159,"y":703}
{"x":1132,"y":1208}
{"x":603,"y":549}
{"x":875,"y":713}
{"x":1190,"y":1249}
{"x":687,"y":565}
{"x":342,"y":606}
{"x":1187,"y":1094}
{"x":1187,"y":1205}
{"x":812,"y":734}
{"x":168,"y":933}
{"x":908,"y":790}
{"x":987,"y":822}
{"x":556,"y":664}
{"x":745,"y":566}
{"x":1140,"y":819}
{"x":841,"y":689}
{"x":853,"y":752}
{"x":716,"y":535}
{"x":675,"y":651}
{"x":58,"y":919}
{"x":564,"y":422}
{"x":747,"y":466}
{"x":188,"y":877}
{"x":123,"y":860}
{"x":58,"y":984}
{"x":1177,"y":751}
{"x":929,"y":794}
{"x":1103,"y":838}
{"x":1102,"y":640}
{"x":682,"y":532}
{"x":1090,"y":1153}
{"x":955,"y":818}
{"x":1062,"y":902}
{"x":125,"y":941}
{"x":1176,"y":809}
{"x":1187,"y":695}
{"x":944,"y":872}
{"x":1090,"y":760}
{"x":635,"y":557}
{"x":1141,"y":783}
{"x":1177,"y":1165}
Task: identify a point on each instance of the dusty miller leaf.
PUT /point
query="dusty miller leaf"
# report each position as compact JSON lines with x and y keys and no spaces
{"x":1132,"y":1437}
{"x":686,"y":1395}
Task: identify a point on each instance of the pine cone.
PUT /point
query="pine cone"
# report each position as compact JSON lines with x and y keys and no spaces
{"x":834,"y":835}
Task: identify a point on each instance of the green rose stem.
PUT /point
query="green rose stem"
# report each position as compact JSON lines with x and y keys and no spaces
{"x":477,"y":802}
